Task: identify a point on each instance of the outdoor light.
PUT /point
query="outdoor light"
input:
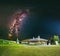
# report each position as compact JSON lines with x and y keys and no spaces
{"x":10,"y":35}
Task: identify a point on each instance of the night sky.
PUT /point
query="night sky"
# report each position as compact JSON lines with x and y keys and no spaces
{"x":43,"y":19}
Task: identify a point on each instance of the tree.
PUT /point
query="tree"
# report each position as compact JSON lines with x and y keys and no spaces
{"x":56,"y":39}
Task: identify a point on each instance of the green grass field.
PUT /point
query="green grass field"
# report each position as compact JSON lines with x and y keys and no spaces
{"x":21,"y":50}
{"x":26,"y":50}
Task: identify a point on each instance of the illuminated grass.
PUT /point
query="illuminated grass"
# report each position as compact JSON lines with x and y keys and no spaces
{"x":20,"y":50}
{"x":26,"y":50}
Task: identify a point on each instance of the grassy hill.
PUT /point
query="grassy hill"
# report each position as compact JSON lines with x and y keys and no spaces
{"x":6,"y":42}
{"x":26,"y":50}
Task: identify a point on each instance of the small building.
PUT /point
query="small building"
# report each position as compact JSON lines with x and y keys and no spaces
{"x":36,"y":41}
